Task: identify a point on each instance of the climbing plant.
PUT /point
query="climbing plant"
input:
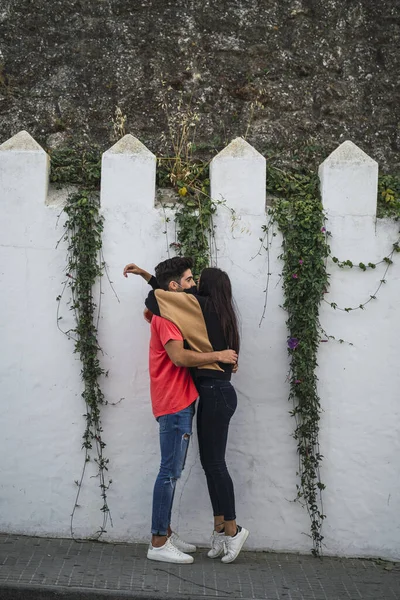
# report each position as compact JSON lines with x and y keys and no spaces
{"x":178,"y":169}
{"x":389,"y":196}
{"x":388,"y":205}
{"x":76,"y":166}
{"x":194,"y":212}
{"x":387,"y":260}
{"x":297,"y":211}
{"x":82,"y":233}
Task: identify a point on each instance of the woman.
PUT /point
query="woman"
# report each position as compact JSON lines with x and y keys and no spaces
{"x":208,"y":320}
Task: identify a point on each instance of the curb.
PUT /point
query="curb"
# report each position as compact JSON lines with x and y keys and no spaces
{"x":22,"y":591}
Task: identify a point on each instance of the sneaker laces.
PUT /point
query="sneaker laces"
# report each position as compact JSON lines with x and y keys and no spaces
{"x":228,"y":541}
{"x":215,"y":539}
{"x":173,"y":548}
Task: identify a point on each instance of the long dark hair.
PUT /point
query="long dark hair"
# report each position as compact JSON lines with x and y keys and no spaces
{"x":216,"y":286}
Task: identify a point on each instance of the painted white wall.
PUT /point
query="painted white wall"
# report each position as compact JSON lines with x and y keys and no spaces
{"x":41,"y":409}
{"x":359,"y":384}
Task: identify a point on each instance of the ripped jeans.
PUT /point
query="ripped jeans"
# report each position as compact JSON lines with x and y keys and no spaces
{"x":175,"y":433}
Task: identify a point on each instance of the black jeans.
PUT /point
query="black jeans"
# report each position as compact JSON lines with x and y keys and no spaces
{"x":217,"y":404}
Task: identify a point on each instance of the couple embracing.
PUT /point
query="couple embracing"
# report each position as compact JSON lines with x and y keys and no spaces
{"x":195,"y":329}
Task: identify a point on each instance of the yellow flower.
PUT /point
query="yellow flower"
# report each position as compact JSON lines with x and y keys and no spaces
{"x":182,"y":191}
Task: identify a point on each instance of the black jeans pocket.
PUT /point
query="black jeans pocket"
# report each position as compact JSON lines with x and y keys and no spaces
{"x":228,"y":395}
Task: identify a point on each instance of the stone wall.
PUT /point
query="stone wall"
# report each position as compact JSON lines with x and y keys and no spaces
{"x":322,"y":71}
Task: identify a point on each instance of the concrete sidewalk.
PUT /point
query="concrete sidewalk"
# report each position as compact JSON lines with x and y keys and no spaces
{"x":43,"y":569}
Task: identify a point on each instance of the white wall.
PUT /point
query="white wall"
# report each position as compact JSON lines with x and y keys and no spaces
{"x":360,"y":384}
{"x":41,"y":409}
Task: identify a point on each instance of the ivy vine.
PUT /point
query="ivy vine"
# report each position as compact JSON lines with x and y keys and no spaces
{"x":297,"y":211}
{"x":82,"y":233}
{"x":388,"y":205}
{"x":387,"y":260}
{"x":389,"y":196}
{"x":194,"y":209}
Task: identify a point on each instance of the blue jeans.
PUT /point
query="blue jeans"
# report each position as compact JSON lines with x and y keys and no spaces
{"x":175,"y":432}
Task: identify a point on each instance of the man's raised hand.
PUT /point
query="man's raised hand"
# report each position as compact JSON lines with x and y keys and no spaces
{"x":132,"y":269}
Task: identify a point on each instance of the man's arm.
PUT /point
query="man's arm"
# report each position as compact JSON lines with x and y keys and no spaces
{"x":132,"y":269}
{"x":188,"y":358}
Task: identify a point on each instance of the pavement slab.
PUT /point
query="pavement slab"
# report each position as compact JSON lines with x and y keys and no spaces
{"x":33,"y":568}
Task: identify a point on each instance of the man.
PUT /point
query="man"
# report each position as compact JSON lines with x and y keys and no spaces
{"x":173,"y":395}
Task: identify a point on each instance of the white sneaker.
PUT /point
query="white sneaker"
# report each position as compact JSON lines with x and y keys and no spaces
{"x":181,"y":544}
{"x":233,"y":545}
{"x":168,"y":553}
{"x":217,"y":545}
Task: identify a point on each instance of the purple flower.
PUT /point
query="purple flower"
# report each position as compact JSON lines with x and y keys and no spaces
{"x":301,"y":261}
{"x":324,"y":340}
{"x":323,"y":229}
{"x":295,"y":276}
{"x":297,"y":380}
{"x":293,"y":343}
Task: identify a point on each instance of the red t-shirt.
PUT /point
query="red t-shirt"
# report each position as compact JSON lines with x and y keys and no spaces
{"x":171,"y":387}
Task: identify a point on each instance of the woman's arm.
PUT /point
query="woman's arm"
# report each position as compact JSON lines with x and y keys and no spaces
{"x":152,"y":304}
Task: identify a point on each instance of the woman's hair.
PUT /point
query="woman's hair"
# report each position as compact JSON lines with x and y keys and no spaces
{"x":216,"y":286}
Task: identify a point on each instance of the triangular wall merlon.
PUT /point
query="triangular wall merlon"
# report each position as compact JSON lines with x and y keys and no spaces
{"x":130,"y":145}
{"x":349,"y":181}
{"x":24,"y":178}
{"x":21,"y":142}
{"x":348,"y":153}
{"x":24,"y":175}
{"x":128,"y":177}
{"x":239,"y":148}
{"x":237,"y":177}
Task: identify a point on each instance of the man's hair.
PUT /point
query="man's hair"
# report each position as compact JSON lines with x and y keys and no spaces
{"x":172,"y":269}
